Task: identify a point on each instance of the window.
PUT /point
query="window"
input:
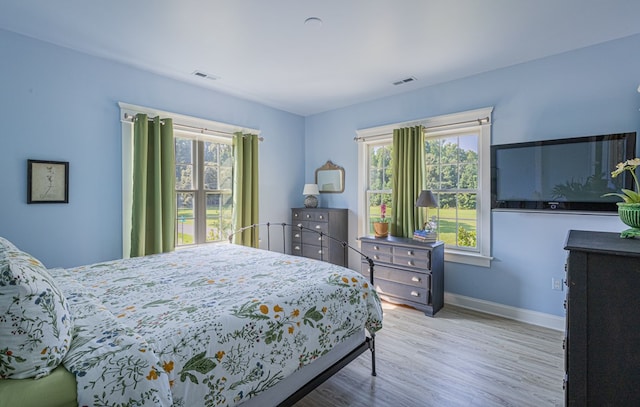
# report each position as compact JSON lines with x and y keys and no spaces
{"x":379,"y":182}
{"x":451,"y":162}
{"x":204,"y":168}
{"x":203,"y":190}
{"x":457,"y":171}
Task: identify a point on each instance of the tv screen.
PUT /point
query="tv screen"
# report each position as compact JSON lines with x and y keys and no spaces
{"x":564,"y":174}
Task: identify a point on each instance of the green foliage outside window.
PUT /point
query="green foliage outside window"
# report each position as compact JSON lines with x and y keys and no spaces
{"x":452,"y":166}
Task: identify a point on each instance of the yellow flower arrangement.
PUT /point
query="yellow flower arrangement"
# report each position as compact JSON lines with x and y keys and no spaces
{"x":627,"y":195}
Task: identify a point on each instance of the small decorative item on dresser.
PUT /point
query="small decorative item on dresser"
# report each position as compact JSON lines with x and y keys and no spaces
{"x":310,"y":190}
{"x":381,"y":228}
{"x":426,"y":199}
{"x":629,"y":209}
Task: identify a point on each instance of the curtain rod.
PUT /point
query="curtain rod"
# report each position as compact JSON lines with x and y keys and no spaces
{"x":478,"y":121}
{"x":201,"y":130}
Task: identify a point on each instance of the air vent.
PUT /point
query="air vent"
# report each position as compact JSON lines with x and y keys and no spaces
{"x":403,"y":81}
{"x":205,"y":75}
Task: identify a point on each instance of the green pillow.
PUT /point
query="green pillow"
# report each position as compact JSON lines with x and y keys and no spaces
{"x":35,"y":321}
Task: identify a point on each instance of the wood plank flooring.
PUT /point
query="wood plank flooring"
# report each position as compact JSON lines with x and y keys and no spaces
{"x":458,"y":358}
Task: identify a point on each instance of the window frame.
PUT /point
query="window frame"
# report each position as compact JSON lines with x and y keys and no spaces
{"x":478,"y":120}
{"x":197,"y":127}
{"x":199,"y":191}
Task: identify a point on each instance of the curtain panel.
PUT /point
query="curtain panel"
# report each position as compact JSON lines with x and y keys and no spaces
{"x":408,"y":165}
{"x":153,"y":208}
{"x":245,"y":188}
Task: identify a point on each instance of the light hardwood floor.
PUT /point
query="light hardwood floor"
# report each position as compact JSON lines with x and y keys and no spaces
{"x":458,"y":358}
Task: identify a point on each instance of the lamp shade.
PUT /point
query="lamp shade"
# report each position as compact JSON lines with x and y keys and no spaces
{"x":310,"y":189}
{"x":426,"y":199}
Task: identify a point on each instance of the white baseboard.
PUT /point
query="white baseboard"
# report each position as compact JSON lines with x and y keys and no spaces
{"x":506,"y":311}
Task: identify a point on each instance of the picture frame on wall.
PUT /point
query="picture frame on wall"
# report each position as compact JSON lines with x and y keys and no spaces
{"x":47,"y":181}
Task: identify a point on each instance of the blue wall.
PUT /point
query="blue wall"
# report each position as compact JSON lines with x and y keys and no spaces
{"x":62,"y":105}
{"x":584,"y":92}
{"x":58,"y":104}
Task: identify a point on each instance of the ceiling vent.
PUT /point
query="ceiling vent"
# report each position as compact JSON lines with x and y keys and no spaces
{"x":205,"y":75}
{"x":406,"y":80}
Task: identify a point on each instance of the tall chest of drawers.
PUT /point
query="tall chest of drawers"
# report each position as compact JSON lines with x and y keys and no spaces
{"x":332,"y":222}
{"x":602,"y":338}
{"x":407,"y":271}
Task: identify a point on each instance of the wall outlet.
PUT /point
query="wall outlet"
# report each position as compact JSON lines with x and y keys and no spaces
{"x":556,"y":284}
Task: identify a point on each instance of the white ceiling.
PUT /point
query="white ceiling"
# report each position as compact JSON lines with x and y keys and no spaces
{"x":261,"y":50}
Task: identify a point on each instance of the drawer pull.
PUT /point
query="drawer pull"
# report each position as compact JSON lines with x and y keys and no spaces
{"x":295,"y":215}
{"x":319,"y":237}
{"x":308,"y":216}
{"x":299,"y":225}
{"x":415,"y":294}
{"x":376,"y":248}
{"x":319,"y":251}
{"x":296,"y":235}
{"x":321,"y":216}
{"x":410,"y":252}
{"x":410,"y":263}
{"x":376,"y":257}
{"x":296,"y":248}
{"x":416,"y":279}
{"x":318,"y":227}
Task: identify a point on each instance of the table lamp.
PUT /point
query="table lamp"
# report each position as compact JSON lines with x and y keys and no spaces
{"x":310,"y":191}
{"x":426,"y":199}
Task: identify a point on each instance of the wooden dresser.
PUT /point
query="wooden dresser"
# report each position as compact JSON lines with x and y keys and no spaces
{"x":602,"y":342}
{"x":407,"y":271}
{"x":331,"y":222}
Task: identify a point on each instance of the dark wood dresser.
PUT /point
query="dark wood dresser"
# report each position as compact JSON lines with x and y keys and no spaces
{"x":331,"y":222}
{"x":602,"y":343}
{"x":407,"y":271}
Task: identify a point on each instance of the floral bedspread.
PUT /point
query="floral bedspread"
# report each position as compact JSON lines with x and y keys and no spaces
{"x":211,"y":325}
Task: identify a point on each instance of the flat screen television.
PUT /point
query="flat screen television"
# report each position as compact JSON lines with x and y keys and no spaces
{"x":561,"y":175}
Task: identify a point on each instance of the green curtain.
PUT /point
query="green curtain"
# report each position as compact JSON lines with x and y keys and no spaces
{"x":245,"y":188}
{"x":408,"y":165}
{"x":153,"y":210}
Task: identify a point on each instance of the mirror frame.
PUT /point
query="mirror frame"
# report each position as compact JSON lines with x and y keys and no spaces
{"x":332,"y":172}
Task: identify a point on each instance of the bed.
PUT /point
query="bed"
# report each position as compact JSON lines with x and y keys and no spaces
{"x":214,"y":325}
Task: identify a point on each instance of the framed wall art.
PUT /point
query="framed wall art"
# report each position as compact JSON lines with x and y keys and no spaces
{"x":47,"y":181}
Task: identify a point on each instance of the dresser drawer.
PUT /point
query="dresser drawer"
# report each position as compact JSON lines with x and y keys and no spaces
{"x":315,"y":226}
{"x":409,"y":278}
{"x":413,"y":262}
{"x":409,"y":257}
{"x":312,"y":252}
{"x":319,"y":216}
{"x":402,"y":291}
{"x":372,"y":249}
{"x":309,"y":237}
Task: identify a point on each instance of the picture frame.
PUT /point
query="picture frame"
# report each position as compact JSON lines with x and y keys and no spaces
{"x":47,"y":181}
{"x":330,"y":178}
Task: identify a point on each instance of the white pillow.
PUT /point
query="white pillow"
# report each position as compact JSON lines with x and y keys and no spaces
{"x":35,"y":321}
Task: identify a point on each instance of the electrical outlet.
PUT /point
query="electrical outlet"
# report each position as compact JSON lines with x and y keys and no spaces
{"x":556,"y":284}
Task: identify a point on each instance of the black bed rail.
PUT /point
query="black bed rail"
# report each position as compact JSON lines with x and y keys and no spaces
{"x":345,"y":245}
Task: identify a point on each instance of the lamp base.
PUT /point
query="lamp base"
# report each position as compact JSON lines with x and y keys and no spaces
{"x":310,"y":201}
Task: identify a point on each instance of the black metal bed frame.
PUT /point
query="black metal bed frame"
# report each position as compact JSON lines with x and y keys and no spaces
{"x":369,"y":341}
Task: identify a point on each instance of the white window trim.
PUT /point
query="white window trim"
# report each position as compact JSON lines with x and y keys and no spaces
{"x":209,"y":129}
{"x":434,"y":124}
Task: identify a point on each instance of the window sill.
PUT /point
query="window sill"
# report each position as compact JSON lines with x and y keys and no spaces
{"x":473,"y":259}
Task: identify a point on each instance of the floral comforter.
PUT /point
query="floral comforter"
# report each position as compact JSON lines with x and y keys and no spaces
{"x":211,"y":325}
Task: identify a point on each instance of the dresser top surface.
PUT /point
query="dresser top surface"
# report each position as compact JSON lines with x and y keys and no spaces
{"x":405,"y":241}
{"x":601,"y":242}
